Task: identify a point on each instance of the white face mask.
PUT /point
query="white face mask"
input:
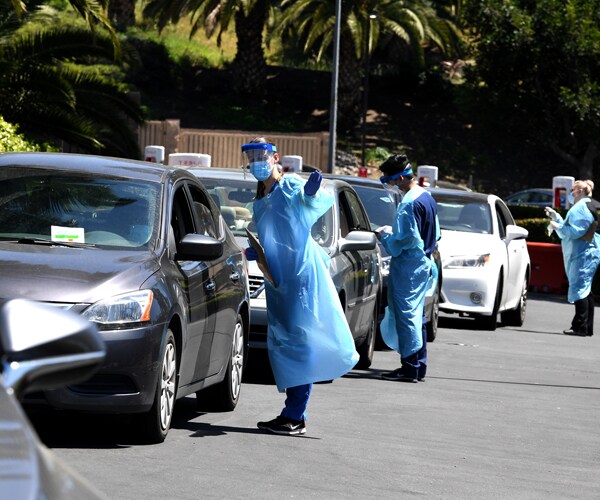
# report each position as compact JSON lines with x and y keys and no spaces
{"x":571,"y":198}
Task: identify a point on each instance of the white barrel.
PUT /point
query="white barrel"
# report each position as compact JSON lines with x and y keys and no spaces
{"x":561,"y":187}
{"x":155,"y":154}
{"x":427,"y":175}
{"x":291,"y":163}
{"x":189,"y":160}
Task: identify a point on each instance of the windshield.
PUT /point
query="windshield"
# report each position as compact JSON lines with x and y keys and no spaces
{"x":464,"y":214}
{"x":377,"y":203}
{"x":73,"y":208}
{"x":235,"y":199}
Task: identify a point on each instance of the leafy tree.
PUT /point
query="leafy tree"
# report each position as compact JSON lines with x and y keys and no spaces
{"x":538,"y":68}
{"x":58,"y":84}
{"x":413,"y":25}
{"x":250,"y":18}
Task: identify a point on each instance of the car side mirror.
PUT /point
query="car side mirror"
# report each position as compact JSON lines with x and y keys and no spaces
{"x":358,"y":240}
{"x":199,"y":247}
{"x":516,"y":232}
{"x":44,"y":347}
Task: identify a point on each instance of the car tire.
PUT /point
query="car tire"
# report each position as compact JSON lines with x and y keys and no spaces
{"x":225,"y":395}
{"x":490,"y":323}
{"x":432,"y":325}
{"x":367,"y":348}
{"x":156,"y":423}
{"x":516,"y":317}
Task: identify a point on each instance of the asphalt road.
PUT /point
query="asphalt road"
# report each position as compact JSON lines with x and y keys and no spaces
{"x":508,"y":414}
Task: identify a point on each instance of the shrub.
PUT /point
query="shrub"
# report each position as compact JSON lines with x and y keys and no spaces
{"x":11,"y":140}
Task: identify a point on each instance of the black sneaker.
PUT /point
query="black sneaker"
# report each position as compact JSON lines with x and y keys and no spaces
{"x":284,"y":426}
{"x":574,"y":333}
{"x":399,"y":376}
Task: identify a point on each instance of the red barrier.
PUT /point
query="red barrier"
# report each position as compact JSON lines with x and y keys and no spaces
{"x":547,"y":268}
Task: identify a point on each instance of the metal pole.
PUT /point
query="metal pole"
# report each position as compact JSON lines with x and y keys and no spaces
{"x":365,"y":92}
{"x":334,"y":86}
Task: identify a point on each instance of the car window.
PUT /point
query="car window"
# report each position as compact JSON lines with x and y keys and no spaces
{"x":379,"y":206}
{"x":205,"y":222}
{"x":235,"y":199}
{"x":38,"y":203}
{"x":463,"y":214}
{"x":354,"y":209}
{"x":504,"y":218}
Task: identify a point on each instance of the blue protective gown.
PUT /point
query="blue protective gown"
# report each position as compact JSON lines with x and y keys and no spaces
{"x":581,"y":257}
{"x":308,"y":337}
{"x":412,"y":274}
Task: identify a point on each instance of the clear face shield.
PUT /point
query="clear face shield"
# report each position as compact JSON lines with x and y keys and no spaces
{"x":393,"y":191}
{"x":259,"y":159}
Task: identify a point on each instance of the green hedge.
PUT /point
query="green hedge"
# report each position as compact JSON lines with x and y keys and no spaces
{"x":11,"y":140}
{"x":538,"y":230}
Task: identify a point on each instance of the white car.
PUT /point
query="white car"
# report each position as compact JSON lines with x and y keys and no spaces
{"x":484,"y":256}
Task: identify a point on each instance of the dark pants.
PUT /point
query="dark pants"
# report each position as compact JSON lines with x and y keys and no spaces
{"x":583,"y":321}
{"x":415,"y":365}
{"x":296,"y":401}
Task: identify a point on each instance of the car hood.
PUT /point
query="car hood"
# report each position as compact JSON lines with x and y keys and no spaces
{"x":72,"y":275}
{"x":462,"y":243}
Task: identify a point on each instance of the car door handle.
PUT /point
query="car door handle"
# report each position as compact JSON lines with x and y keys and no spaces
{"x":210,"y":286}
{"x":234,"y":276}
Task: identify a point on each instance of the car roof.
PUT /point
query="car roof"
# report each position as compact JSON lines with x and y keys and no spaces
{"x":117,"y":167}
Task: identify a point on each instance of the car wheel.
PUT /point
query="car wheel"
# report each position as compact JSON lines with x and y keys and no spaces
{"x":224,"y":396}
{"x":432,"y":324}
{"x":367,"y":348}
{"x":490,"y":323}
{"x":516,"y":317}
{"x":157,"y":421}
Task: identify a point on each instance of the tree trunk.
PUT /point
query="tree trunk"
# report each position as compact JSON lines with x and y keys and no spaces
{"x":121,"y":13}
{"x":586,"y":168}
{"x":249,"y":66}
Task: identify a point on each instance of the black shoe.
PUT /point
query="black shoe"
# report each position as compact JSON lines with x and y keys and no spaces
{"x":572,"y":332}
{"x":284,"y":426}
{"x":421,"y":379}
{"x":399,"y":376}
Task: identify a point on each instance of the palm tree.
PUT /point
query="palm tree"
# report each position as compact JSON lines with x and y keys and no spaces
{"x":416,"y":24}
{"x":58,"y":84}
{"x":92,"y":11}
{"x":250,"y":17}
{"x":121,"y":13}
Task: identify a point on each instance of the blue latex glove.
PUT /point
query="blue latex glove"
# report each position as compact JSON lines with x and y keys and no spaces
{"x":251,"y":254}
{"x":313,"y":183}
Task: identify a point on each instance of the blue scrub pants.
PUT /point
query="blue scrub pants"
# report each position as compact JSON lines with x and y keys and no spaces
{"x":296,"y":401}
{"x":415,"y":365}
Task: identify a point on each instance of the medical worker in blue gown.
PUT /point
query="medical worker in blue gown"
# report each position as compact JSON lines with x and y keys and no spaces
{"x":410,"y":241}
{"x":581,"y":253}
{"x":308,"y":337}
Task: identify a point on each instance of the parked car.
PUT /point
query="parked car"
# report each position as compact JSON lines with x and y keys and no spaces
{"x":344,"y":232}
{"x":141,"y":250}
{"x":41,"y":347}
{"x":381,"y":210}
{"x":484,"y":258}
{"x":539,"y":197}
